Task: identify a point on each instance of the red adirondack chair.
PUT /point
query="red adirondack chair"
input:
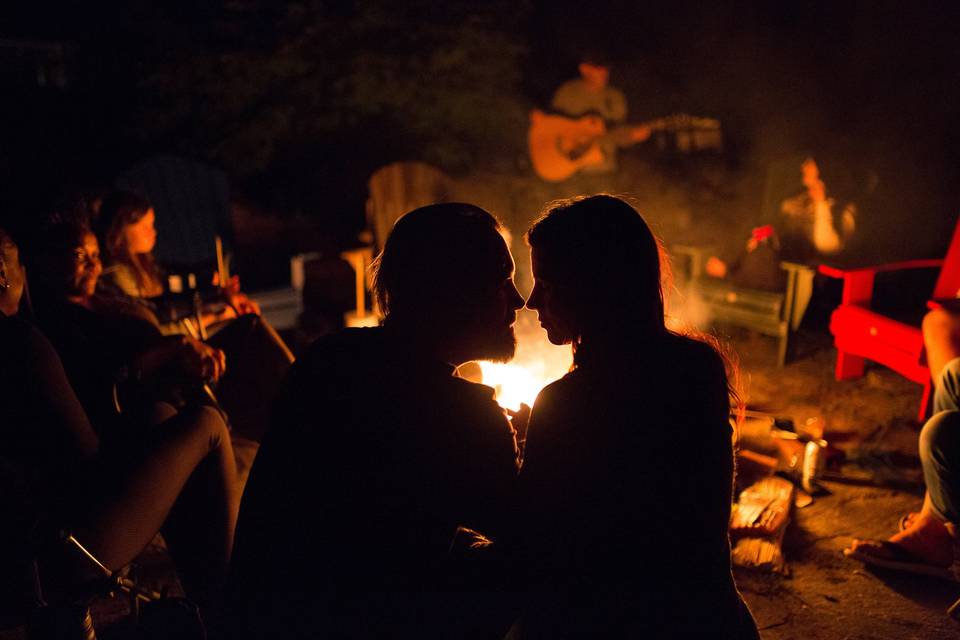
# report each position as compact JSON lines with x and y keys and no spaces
{"x":861,"y":333}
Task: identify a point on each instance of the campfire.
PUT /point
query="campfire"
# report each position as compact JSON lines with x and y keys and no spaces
{"x":537,"y":364}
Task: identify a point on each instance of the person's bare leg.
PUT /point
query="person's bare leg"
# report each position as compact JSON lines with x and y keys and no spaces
{"x":927,"y":538}
{"x":193,"y":443}
{"x":201,"y":525}
{"x":941,"y":339}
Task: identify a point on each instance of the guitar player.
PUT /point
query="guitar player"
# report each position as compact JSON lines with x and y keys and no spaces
{"x":591,"y":93}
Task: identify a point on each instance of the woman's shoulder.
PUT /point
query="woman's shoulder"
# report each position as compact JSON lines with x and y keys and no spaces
{"x":563,"y":392}
{"x":18,"y":336}
{"x":694,"y":351}
{"x":121,"y":276}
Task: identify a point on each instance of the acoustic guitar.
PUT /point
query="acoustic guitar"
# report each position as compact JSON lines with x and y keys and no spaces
{"x":560,"y":146}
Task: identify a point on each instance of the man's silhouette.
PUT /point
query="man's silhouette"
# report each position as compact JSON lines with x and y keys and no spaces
{"x":378,"y":453}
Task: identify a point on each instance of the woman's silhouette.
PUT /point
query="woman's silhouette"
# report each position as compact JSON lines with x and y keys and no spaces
{"x":627,"y":478}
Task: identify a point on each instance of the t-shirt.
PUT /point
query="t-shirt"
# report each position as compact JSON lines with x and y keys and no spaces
{"x":576,"y":98}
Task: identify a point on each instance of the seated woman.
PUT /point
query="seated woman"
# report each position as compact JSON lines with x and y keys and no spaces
{"x":928,"y":541}
{"x":114,"y":354}
{"x":626,"y":484}
{"x":125,"y":228}
{"x":258,"y":356}
{"x":178,"y":478}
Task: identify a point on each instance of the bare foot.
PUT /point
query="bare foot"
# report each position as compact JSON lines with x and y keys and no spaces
{"x":908,"y":520}
{"x":927,"y":539}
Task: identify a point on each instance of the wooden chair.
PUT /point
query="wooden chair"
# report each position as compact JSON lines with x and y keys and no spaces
{"x":770,"y":313}
{"x":393,"y":190}
{"x":398,"y":188}
{"x":862,"y":333}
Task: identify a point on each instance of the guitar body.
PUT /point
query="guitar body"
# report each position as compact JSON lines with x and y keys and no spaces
{"x":559,"y":146}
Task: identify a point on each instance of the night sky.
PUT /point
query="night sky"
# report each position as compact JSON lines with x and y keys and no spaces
{"x":300,"y":101}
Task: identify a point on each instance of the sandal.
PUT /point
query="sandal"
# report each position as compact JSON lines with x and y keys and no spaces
{"x":906,"y":520}
{"x":890,"y":555}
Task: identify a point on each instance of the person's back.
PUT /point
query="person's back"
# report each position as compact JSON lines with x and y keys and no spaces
{"x":376,"y":455}
{"x":627,"y":474}
{"x":645,"y":476}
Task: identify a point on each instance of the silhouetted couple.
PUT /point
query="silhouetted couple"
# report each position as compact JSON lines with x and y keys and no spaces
{"x":365,"y":507}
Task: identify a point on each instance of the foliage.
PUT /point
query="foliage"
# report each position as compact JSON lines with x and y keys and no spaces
{"x":361,"y":82}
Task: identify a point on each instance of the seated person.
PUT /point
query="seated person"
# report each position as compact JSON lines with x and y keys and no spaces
{"x":591,"y":93}
{"x":113,"y":352}
{"x":639,"y":426}
{"x":928,"y":541}
{"x":124,"y":223}
{"x":809,"y":225}
{"x":179,"y":478}
{"x":258,"y":356}
{"x":378,"y":453}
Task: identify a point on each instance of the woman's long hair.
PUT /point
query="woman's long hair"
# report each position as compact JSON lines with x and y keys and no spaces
{"x":118,"y":210}
{"x":604,"y":262}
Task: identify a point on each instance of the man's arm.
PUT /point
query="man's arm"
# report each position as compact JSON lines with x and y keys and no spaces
{"x":616,"y":106}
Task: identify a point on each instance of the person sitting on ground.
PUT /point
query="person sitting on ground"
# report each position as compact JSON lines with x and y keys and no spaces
{"x":258,"y":356}
{"x":928,"y":541}
{"x":377,"y":453}
{"x":178,"y":478}
{"x":627,"y":477}
{"x":115,"y":357}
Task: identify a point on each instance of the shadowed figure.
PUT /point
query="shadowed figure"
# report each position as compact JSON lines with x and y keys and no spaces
{"x":626,"y":484}
{"x":377,"y":453}
{"x":177,"y":475}
{"x":257,"y":356}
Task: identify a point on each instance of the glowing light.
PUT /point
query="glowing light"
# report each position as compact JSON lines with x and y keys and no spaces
{"x":514,"y":384}
{"x":537,"y":364}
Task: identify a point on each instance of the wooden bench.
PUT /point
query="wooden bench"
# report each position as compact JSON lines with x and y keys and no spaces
{"x":769,"y":313}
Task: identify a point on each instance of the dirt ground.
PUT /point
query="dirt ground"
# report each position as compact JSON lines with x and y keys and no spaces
{"x":872,"y":421}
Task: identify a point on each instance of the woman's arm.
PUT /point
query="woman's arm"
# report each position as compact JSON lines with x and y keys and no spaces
{"x":184,"y":354}
{"x":55,"y":396}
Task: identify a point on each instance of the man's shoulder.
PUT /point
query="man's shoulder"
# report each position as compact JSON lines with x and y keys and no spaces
{"x":572,"y":87}
{"x":472,"y":395}
{"x":347,"y":348}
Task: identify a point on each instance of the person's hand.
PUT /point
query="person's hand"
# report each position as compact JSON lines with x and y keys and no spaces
{"x":243,"y":304}
{"x":817,"y":191}
{"x":715,"y":267}
{"x":231,"y":286}
{"x":640,"y":133}
{"x":200,"y":360}
{"x":520,"y":420}
{"x":237,"y":299}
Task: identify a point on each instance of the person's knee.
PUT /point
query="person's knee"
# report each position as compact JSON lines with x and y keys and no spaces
{"x":939,"y":328}
{"x":936,"y":320}
{"x":209,"y":423}
{"x":940,"y":436}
